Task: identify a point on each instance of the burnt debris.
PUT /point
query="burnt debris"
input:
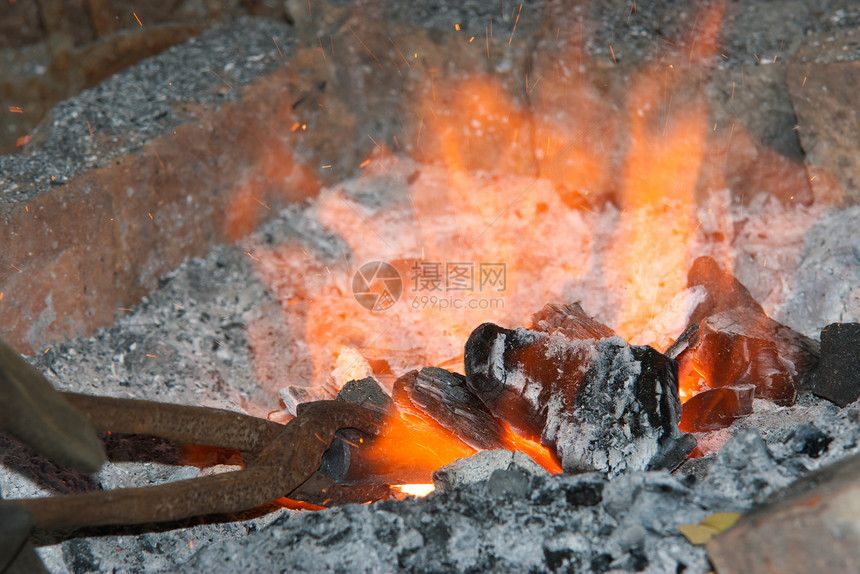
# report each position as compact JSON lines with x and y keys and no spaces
{"x":578,"y":389}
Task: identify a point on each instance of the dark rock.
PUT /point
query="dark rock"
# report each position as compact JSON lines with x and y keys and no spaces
{"x":838,"y":376}
{"x":717,"y":408}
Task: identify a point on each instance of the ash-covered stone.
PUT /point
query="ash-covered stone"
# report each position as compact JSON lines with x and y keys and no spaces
{"x":838,"y":375}
{"x":480,"y":466}
{"x":581,"y":397}
{"x":447,"y":399}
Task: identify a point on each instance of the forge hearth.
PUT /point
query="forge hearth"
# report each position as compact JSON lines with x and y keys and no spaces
{"x":535,"y":228}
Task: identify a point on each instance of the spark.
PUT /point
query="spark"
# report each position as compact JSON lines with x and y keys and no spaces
{"x":158,"y":157}
{"x":151,"y":356}
{"x":226,"y":83}
{"x":27,"y":208}
{"x":248,"y":253}
{"x":364,"y":163}
{"x":326,"y":166}
{"x":124,"y":309}
{"x":420,"y":125}
{"x":1,"y":295}
{"x":46,"y":351}
{"x":320,"y":438}
{"x":374,"y":141}
{"x":611,"y":51}
{"x":396,"y":143}
{"x":150,"y":215}
{"x":16,"y":109}
{"x":372,"y":55}
{"x":457,"y":27}
{"x":89,"y":127}
{"x":774,"y":60}
{"x":350,"y":443}
{"x":487,"y":34}
{"x":279,"y":48}
{"x":399,"y":52}
{"x":263,"y":204}
{"x":138,"y":19}
{"x":804,"y":82}
{"x":178,"y":306}
{"x":733,"y":91}
{"x":471,"y":39}
{"x":15,"y":268}
{"x":321,"y":48}
{"x":515,"y":25}
{"x":295,"y":127}
{"x":533,"y":85}
{"x":724,"y":56}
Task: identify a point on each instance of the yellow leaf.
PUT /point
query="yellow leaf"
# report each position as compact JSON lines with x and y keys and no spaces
{"x":721,"y":521}
{"x":698,"y":534}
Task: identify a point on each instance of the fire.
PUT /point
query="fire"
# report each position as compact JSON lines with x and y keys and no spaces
{"x":578,"y":200}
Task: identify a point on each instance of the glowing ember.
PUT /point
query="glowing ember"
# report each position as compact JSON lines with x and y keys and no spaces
{"x":536,"y":451}
{"x":415,"y":489}
{"x":411,"y":449}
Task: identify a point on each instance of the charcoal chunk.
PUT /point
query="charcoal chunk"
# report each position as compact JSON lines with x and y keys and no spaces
{"x":717,"y":408}
{"x":726,"y":359}
{"x":444,"y":397}
{"x":838,"y":375}
{"x":730,"y":341}
{"x":601,"y":404}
